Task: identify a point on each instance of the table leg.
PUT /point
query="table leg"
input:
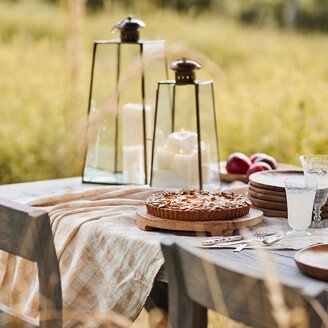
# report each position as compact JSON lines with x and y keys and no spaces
{"x":157,"y":305}
{"x":158,"y":297}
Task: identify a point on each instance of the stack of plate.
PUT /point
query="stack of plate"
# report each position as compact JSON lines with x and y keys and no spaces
{"x":267,"y":192}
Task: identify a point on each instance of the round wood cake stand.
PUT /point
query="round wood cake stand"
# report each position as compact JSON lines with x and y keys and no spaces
{"x":149,"y":222}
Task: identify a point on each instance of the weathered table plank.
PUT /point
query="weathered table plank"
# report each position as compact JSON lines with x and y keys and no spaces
{"x":246,"y":262}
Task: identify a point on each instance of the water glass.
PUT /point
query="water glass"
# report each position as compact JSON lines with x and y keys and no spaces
{"x":316,"y":167}
{"x":300,"y":199}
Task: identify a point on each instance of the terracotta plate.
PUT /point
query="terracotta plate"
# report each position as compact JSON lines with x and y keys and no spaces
{"x":276,"y":198}
{"x":267,"y":191}
{"x":271,"y":205}
{"x":272,"y":213}
{"x":265,"y":196}
{"x":273,"y":180}
{"x":313,"y":261}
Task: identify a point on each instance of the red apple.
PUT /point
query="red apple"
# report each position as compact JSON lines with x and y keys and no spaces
{"x":257,"y":167}
{"x":238,"y":163}
{"x":256,"y":155}
{"x":267,"y":159}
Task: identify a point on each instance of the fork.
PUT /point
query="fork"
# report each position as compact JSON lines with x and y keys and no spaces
{"x":259,"y":235}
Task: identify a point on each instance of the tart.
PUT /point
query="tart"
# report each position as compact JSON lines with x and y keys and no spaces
{"x":191,"y":205}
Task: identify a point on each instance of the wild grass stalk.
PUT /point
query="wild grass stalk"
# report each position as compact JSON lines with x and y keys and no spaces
{"x":272,"y":87}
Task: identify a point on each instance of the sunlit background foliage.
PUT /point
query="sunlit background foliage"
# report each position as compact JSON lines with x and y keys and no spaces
{"x":272,"y":95}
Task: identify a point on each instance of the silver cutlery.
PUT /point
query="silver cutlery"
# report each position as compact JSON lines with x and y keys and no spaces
{"x":214,"y":240}
{"x":240,"y":247}
{"x":266,"y":240}
{"x":259,"y":235}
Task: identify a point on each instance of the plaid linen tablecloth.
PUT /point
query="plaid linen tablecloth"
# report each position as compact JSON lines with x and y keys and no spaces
{"x":106,"y":262}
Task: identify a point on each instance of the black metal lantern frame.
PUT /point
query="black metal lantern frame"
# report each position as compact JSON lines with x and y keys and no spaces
{"x":165,"y":177}
{"x":109,"y":169}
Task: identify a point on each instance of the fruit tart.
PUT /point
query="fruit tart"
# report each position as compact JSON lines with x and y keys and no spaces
{"x":201,"y":205}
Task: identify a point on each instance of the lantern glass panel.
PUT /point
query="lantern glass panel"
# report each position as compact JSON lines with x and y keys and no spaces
{"x":209,"y":135}
{"x":99,"y":159}
{"x":176,"y":144}
{"x":185,"y":108}
{"x":185,"y":124}
{"x":123,"y":92}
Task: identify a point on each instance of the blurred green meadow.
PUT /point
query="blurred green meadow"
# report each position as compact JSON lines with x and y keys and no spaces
{"x":271,"y":93}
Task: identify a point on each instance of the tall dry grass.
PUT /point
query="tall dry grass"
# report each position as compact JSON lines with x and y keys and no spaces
{"x":271,"y":97}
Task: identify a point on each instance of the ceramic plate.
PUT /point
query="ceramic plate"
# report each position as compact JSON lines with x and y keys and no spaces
{"x":313,"y":261}
{"x":273,"y":180}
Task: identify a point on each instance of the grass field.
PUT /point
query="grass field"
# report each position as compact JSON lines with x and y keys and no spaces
{"x":271,"y":94}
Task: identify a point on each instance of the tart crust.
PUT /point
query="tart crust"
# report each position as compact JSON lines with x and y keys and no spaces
{"x":197,"y":205}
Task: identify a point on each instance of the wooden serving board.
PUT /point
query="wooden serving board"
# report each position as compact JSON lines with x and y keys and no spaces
{"x":149,"y":222}
{"x":230,"y":177}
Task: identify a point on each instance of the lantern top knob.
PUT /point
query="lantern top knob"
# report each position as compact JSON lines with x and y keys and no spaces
{"x":185,"y":70}
{"x":129,"y":28}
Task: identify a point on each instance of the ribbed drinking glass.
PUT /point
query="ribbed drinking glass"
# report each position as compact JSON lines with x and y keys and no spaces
{"x":315,"y":167}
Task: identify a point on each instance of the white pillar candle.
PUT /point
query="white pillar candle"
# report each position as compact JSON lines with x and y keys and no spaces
{"x":133,"y":142}
{"x":184,"y":141}
{"x":183,"y":166}
{"x":206,"y":152}
{"x":179,"y":157}
{"x":164,"y":158}
{"x":133,"y":164}
{"x":132,"y":124}
{"x":206,"y":173}
{"x":206,"y":159}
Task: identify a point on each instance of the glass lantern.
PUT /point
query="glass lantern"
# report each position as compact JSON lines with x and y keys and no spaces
{"x":124,"y":70}
{"x":185,"y":142}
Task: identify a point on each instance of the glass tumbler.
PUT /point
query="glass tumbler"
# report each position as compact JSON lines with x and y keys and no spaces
{"x":300,"y":199}
{"x":316,"y":167}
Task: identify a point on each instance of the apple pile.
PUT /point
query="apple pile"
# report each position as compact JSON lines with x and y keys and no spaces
{"x":239,"y":163}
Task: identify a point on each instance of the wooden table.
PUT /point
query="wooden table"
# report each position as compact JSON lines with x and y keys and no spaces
{"x":244,"y":262}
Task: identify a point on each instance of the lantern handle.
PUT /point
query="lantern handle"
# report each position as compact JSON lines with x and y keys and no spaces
{"x":129,"y":28}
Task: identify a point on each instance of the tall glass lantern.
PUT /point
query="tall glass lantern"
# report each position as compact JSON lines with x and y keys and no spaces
{"x":185,"y":140}
{"x":125,"y":70}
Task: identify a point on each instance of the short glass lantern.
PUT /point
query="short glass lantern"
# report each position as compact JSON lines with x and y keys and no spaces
{"x":185,"y":141}
{"x":125,"y":70}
